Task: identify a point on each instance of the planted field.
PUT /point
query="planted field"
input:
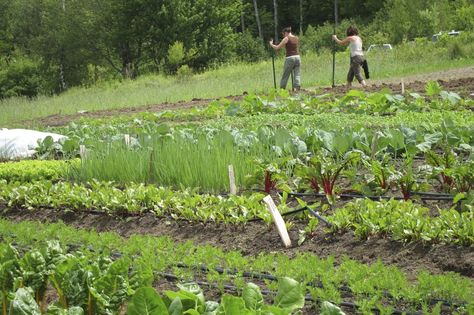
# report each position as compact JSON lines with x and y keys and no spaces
{"x":376,"y":190}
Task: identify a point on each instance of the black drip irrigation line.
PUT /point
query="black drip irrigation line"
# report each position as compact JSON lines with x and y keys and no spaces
{"x":220,"y":270}
{"x":267,"y":276}
{"x":423,"y":196}
{"x":140,"y":214}
{"x":296,"y":211}
{"x":307,"y":297}
{"x":421,"y":193}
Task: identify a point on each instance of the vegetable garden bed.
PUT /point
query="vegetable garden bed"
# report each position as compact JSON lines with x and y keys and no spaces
{"x":144,"y":178}
{"x":372,"y":287}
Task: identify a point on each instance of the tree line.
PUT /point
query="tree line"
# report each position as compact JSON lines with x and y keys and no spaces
{"x":48,"y":46}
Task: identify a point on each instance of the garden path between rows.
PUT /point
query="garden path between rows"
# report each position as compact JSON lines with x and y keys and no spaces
{"x":254,"y":238}
{"x":460,"y":80}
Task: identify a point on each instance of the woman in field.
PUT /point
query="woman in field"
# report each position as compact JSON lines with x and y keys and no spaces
{"x":292,"y":60}
{"x":357,"y":54}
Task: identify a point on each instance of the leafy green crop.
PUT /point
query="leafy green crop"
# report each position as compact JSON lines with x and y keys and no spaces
{"x":325,"y":279}
{"x":35,"y":170}
{"x":404,"y":221}
{"x":134,"y":198}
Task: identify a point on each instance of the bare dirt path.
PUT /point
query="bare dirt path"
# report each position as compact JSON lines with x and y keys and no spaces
{"x":459,"y":80}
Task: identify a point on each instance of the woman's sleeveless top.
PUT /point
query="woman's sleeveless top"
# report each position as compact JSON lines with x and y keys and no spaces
{"x":356,"y":47}
{"x":292,"y":46}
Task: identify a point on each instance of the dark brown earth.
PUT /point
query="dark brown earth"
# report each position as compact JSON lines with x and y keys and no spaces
{"x":463,"y":86}
{"x":256,"y":237}
{"x":454,"y":80}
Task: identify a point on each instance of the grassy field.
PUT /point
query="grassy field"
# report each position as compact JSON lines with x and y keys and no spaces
{"x":227,"y":80}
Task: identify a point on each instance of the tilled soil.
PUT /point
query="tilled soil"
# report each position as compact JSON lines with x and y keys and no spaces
{"x":254,"y":238}
{"x":463,"y":86}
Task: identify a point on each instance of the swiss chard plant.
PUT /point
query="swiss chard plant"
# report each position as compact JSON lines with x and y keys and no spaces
{"x":9,"y":272}
{"x":326,"y":171}
{"x":442,"y":162}
{"x":379,"y":178}
{"x":405,"y":178}
{"x":271,"y":175}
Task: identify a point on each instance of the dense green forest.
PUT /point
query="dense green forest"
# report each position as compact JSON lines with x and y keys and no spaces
{"x":48,"y":46}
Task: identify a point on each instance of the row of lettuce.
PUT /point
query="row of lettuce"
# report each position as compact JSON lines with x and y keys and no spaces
{"x":401,"y":220}
{"x":86,"y":277}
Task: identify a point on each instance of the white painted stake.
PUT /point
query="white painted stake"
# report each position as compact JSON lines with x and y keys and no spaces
{"x":83,"y":152}
{"x":233,"y":188}
{"x":280,"y":224}
{"x":127,"y":140}
{"x":403,"y":87}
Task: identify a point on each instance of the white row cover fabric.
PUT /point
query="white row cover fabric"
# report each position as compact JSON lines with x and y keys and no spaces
{"x":21,"y":143}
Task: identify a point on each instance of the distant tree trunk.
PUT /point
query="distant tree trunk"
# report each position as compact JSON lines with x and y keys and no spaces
{"x":242,"y":21}
{"x":62,"y":80}
{"x":275,"y":16}
{"x":127,"y":62}
{"x":301,"y":17}
{"x":257,"y":18}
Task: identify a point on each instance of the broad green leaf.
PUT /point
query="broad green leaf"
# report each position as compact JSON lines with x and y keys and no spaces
{"x":290,"y":295}
{"x":355,"y":93}
{"x":432,"y":88}
{"x":193,"y":288}
{"x":232,"y":305}
{"x":9,"y":267}
{"x":75,"y":310}
{"x":429,"y":140}
{"x":328,"y":308}
{"x":24,"y":304}
{"x":113,"y":285}
{"x":58,"y":310}
{"x":141,"y":275}
{"x":452,"y":97}
{"x":252,"y":296}
{"x":459,"y":197}
{"x":274,"y":310}
{"x":162,"y":129}
{"x":211,"y":308}
{"x":188,"y":299}
{"x":146,"y":302}
{"x":176,"y":307}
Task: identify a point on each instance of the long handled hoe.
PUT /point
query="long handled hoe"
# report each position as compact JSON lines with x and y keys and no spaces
{"x":334,"y":46}
{"x":273,"y":65}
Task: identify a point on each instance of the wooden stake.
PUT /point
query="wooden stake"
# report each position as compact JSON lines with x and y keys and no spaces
{"x":233,"y":188}
{"x":151,"y":162}
{"x":280,"y":224}
{"x":403,"y":87}
{"x":127,"y":140}
{"x":83,"y":152}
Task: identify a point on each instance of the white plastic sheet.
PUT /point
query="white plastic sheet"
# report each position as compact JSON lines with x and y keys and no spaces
{"x":21,"y":143}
